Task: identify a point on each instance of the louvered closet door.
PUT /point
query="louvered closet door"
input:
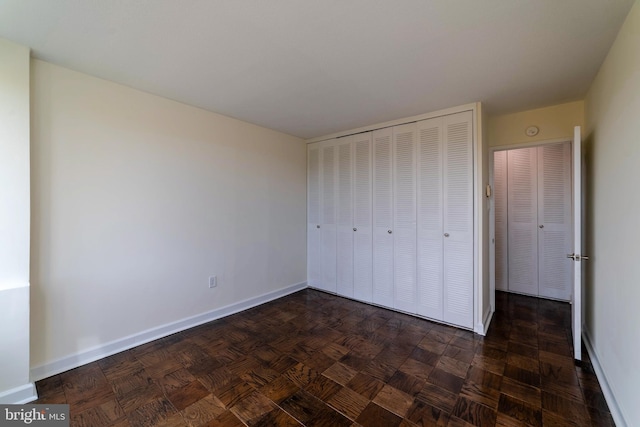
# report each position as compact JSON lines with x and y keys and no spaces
{"x":554,"y":221}
{"x":362,"y":215}
{"x":328,"y":226}
{"x":430,"y":296}
{"x":404,"y":217}
{"x":500,"y":210}
{"x":383,"y":217}
{"x":314,"y":214}
{"x":345,"y":217}
{"x":458,"y":219}
{"x":523,"y":220}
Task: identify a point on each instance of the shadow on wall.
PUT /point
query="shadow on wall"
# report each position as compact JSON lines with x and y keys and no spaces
{"x":588,"y":234}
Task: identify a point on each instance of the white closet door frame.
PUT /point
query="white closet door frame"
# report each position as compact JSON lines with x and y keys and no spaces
{"x":362,"y":218}
{"x":344,"y":217}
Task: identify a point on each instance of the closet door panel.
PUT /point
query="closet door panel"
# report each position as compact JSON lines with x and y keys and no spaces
{"x":314,"y":213}
{"x":554,"y":215}
{"x":363,"y":235}
{"x":344,"y":269}
{"x":383,"y":217}
{"x":430,"y":219}
{"x":500,"y":210}
{"x":522,"y":222}
{"x":458,"y":219}
{"x":404,"y":217}
{"x":328,"y":228}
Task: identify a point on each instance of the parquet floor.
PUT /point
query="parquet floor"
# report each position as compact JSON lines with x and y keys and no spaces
{"x":319,"y":360}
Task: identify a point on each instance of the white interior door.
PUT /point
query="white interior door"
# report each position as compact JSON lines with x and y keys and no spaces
{"x":576,"y":298}
{"x":383,"y":217}
{"x":404,"y":217}
{"x":362,"y":226}
{"x":344,"y":249}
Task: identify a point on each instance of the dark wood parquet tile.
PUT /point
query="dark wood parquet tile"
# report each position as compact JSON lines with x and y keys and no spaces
{"x":315,"y":359}
{"x":374,"y":415}
{"x":520,"y":410}
{"x":348,"y":402}
{"x":474,"y":413}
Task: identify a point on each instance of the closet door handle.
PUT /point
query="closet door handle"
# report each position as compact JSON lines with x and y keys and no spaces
{"x":317,"y":226}
{"x":389,"y":231}
{"x":541,"y":226}
{"x":446,"y":234}
{"x":355,"y":229}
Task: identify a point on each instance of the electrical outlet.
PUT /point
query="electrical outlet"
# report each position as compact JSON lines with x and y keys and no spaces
{"x":213,"y":281}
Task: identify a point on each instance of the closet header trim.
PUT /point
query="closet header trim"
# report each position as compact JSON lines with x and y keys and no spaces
{"x":391,"y":123}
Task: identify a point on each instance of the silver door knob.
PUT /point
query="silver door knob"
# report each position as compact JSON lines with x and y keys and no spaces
{"x":446,"y":234}
{"x":541,"y":226}
{"x":317,"y":226}
{"x":355,"y":229}
{"x":585,"y":257}
{"x":389,"y":231}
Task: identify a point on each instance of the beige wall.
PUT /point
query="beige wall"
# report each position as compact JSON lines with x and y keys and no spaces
{"x":14,"y":224}
{"x":613,"y":157}
{"x":554,"y":122}
{"x":137,"y":200}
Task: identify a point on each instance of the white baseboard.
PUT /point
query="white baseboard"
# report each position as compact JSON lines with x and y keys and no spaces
{"x":113,"y":347}
{"x":616,"y":413}
{"x":482,"y":328}
{"x":19,"y":395}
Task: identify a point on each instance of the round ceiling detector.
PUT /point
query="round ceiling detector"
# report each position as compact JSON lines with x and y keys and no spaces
{"x":532,"y":131}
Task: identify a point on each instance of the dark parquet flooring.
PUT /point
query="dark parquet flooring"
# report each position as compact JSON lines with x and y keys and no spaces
{"x":315,"y":359}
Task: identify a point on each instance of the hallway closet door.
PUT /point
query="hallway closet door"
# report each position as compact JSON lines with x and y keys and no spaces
{"x":362,"y":218}
{"x":522,"y":193}
{"x":383,"y":217}
{"x":500,"y":216}
{"x":538,"y":200}
{"x":555,"y":221}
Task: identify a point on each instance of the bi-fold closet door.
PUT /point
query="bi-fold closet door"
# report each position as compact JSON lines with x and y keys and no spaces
{"x":402,"y":217}
{"x":445,"y":219}
{"x":394,"y":217}
{"x":321,"y":215}
{"x":354,"y":217}
{"x":533,"y":220}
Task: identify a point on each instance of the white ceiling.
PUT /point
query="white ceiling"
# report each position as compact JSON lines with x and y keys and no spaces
{"x":310,"y":68}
